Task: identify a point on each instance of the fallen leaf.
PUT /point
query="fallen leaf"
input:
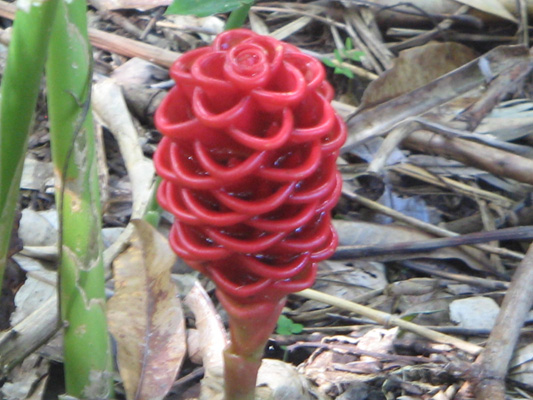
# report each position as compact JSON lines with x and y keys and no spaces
{"x":494,"y":7}
{"x":476,"y":312}
{"x":39,"y":286}
{"x":36,"y":230}
{"x":377,"y":120}
{"x":36,"y":175}
{"x":27,"y":380}
{"x":415,"y":68}
{"x":210,"y":341}
{"x":279,"y":380}
{"x":145,"y":316}
{"x":521,"y":366}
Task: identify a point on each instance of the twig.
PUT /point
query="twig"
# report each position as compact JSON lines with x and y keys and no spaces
{"x":494,"y":359}
{"x":359,"y":71}
{"x":523,"y":30}
{"x":426,"y":36}
{"x":426,"y":268}
{"x":450,"y":35}
{"x":508,"y":82}
{"x":114,"y":43}
{"x":388,"y":319}
{"x":451,"y":184}
{"x":28,"y":335}
{"x":430,"y":228}
{"x":369,"y":58}
{"x":498,"y":162}
{"x":403,"y":8}
{"x":350,"y":252}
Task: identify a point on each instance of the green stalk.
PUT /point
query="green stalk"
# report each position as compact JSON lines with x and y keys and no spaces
{"x":88,"y":366}
{"x":20,"y":88}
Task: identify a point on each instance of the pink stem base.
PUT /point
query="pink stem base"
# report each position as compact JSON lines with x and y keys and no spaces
{"x":240,"y":376}
{"x":250,"y":327}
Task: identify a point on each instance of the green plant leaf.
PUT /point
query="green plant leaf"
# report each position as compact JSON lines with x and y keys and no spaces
{"x":328,"y":62}
{"x":238,"y":16}
{"x":204,"y":8}
{"x":338,"y":55}
{"x":287,"y":326}
{"x":355,"y":55}
{"x":348,"y":44}
{"x":344,"y":71}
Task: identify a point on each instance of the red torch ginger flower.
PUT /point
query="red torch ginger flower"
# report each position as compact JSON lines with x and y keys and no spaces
{"x":248,"y":167}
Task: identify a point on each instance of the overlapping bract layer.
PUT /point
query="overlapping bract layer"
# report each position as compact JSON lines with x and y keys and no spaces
{"x":248,"y":165}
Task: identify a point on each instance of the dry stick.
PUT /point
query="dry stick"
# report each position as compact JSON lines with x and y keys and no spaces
{"x":388,"y":319}
{"x":433,"y":229}
{"x":452,"y":36}
{"x":508,"y":82}
{"x":429,"y":269}
{"x":516,"y":233}
{"x":451,"y":184}
{"x":494,"y":359}
{"x":28,"y":335}
{"x":426,"y":36}
{"x":497,"y":162}
{"x":114,"y":43}
{"x":523,"y":30}
{"x":366,"y":39}
{"x":369,"y":58}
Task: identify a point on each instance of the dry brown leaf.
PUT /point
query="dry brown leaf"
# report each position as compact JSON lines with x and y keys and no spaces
{"x":210,"y":342}
{"x":484,"y":10}
{"x":380,"y":118}
{"x":415,"y":68}
{"x":145,"y":316}
{"x":494,"y":7}
{"x":212,"y":336}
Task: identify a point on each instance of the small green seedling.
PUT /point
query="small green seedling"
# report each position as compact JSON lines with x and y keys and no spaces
{"x":342,"y":56}
{"x":287,"y":326}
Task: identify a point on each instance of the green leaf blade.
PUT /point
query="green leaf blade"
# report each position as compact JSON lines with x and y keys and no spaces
{"x":328,"y":62}
{"x":287,"y":326}
{"x":204,"y":8}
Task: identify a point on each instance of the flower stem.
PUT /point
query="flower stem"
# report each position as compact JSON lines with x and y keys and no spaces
{"x":240,"y":375}
{"x":251,"y":323}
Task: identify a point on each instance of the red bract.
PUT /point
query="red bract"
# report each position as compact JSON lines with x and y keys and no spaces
{"x":248,"y":167}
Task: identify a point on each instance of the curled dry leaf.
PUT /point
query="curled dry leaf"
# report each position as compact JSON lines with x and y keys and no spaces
{"x":145,"y":316}
{"x":211,"y":341}
{"x":278,"y":380}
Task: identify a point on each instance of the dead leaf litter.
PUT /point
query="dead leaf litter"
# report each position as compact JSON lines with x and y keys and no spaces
{"x":432,"y":272}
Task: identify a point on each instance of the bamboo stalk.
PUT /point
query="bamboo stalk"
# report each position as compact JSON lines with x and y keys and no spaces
{"x":88,"y":364}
